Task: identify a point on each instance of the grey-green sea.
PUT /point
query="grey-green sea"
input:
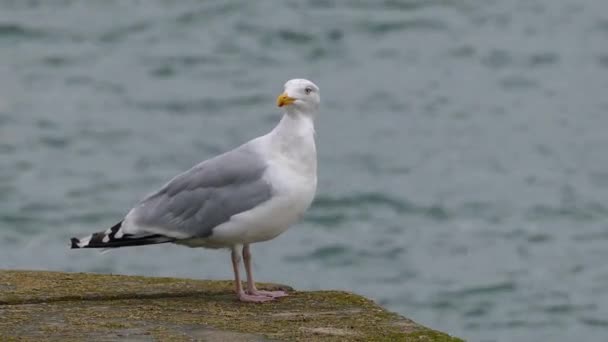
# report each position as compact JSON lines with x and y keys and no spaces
{"x":462,"y":144}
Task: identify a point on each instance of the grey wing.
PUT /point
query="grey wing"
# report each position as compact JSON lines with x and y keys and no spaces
{"x":207,"y":195}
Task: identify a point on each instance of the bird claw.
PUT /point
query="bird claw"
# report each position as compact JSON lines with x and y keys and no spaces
{"x":253,"y":298}
{"x":268,"y":294}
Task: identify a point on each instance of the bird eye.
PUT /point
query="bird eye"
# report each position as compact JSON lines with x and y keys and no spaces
{"x":308,"y":90}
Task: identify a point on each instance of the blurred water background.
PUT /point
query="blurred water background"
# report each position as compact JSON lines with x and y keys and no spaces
{"x":463,"y":145}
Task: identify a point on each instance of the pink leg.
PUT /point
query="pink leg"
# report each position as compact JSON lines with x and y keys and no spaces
{"x":240,"y":294}
{"x":251,"y":289}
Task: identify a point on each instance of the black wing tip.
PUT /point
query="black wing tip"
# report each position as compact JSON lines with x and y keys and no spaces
{"x":104,"y":240}
{"x":75,"y":243}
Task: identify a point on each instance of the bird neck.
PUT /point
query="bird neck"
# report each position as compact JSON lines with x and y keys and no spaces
{"x":293,"y":139}
{"x":295,"y":125}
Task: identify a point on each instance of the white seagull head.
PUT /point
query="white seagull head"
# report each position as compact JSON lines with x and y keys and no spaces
{"x":300,"y":95}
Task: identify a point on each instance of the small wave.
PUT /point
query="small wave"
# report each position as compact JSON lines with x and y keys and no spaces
{"x":373,"y":199}
{"x":56,"y":61}
{"x":6,"y":148}
{"x":329,"y":251}
{"x":590,"y":211}
{"x":36,"y":207}
{"x":518,"y":82}
{"x":390,"y":253}
{"x":188,"y":60}
{"x":96,"y":83}
{"x":208,"y":12}
{"x":497,"y":58}
{"x":58,"y":142}
{"x":410,"y":5}
{"x":386,"y":27}
{"x":362,"y":199}
{"x":208,"y":106}
{"x":170,"y":66}
{"x":539,"y":237}
{"x":480,"y":309}
{"x":117,"y":34}
{"x":594,"y":322}
{"x":296,"y":37}
{"x":482,"y":290}
{"x":334,"y":254}
{"x":542,"y":59}
{"x":591,"y":236}
{"x":282,"y":36}
{"x":400,"y":5}
{"x":602,"y":60}
{"x":25,"y":224}
{"x":19,"y":31}
{"x":567,"y":308}
{"x":343,"y":254}
{"x":327,"y":219}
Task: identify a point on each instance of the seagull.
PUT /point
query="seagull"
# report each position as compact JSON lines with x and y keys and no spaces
{"x":250,"y":194}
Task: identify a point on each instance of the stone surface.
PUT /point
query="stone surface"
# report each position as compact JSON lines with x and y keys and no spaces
{"x":55,"y":306}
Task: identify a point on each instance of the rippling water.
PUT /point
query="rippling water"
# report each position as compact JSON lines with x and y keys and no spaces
{"x":463,"y":145}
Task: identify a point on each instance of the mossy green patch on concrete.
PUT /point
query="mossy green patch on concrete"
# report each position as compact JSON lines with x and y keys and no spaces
{"x":68,"y":306}
{"x":28,"y":287}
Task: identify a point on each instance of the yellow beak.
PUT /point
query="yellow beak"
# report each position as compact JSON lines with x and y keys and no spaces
{"x":284,"y":100}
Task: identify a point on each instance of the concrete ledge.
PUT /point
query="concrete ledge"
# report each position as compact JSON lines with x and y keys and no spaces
{"x":43,"y":306}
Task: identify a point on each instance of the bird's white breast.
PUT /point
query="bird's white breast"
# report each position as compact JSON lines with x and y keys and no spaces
{"x":292,"y":174}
